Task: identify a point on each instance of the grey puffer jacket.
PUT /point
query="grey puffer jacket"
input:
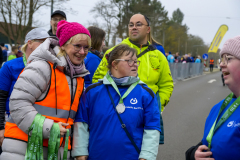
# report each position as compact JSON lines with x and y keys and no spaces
{"x":31,"y":86}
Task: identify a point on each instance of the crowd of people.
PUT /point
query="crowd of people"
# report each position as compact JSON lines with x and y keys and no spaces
{"x":187,"y":58}
{"x":62,"y":96}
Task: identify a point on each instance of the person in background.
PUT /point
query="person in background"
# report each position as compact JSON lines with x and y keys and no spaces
{"x":189,"y":58}
{"x":211,"y":64}
{"x":198,"y":60}
{"x":8,"y":51}
{"x":55,"y":18}
{"x":13,"y":54}
{"x":50,"y":85}
{"x":94,"y":55}
{"x":170,"y":58}
{"x":10,"y":71}
{"x":221,"y":136}
{"x":98,"y":133}
{"x":166,"y":54}
{"x":19,"y":54}
{"x":177,"y":58}
{"x":184,"y":58}
{"x":156,"y":44}
{"x":4,"y":52}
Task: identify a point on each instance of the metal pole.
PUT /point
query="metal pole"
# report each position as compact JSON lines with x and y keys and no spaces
{"x":186,"y":48}
{"x":51,"y":11}
{"x":51,"y":7}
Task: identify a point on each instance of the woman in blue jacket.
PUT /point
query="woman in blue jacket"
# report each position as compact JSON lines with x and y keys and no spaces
{"x":94,"y":55}
{"x":221,"y":138}
{"x":118,"y":117}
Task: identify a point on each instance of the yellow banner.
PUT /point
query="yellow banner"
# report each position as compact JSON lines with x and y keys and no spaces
{"x":218,"y":38}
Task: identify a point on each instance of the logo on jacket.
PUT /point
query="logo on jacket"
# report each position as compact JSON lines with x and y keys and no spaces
{"x":230,"y":124}
{"x":133,"y":101}
{"x":233,"y":124}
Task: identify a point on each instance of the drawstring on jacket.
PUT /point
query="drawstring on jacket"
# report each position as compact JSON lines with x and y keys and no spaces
{"x":54,"y":67}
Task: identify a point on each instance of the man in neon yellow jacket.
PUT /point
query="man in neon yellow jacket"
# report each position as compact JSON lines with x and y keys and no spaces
{"x":154,"y":69}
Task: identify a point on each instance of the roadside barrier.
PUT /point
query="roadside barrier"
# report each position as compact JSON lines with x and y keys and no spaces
{"x":182,"y":71}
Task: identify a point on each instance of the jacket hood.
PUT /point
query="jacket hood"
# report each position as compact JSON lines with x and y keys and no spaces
{"x":48,"y":51}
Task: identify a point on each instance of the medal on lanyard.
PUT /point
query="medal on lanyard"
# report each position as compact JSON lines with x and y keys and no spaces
{"x":121,"y":107}
{"x":224,"y":117}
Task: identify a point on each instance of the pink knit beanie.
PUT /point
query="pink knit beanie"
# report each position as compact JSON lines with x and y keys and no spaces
{"x":65,"y":30}
{"x":232,"y":46}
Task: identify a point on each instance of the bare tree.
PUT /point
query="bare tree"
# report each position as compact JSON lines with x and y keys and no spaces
{"x":107,"y":12}
{"x":17,"y":17}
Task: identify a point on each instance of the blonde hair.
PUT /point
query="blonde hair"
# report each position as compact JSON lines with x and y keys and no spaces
{"x":152,"y":40}
{"x":76,"y":37}
{"x":24,"y":48}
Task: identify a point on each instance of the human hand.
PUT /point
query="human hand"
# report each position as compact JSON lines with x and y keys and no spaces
{"x":1,"y":136}
{"x":200,"y":153}
{"x":62,"y":129}
{"x":81,"y":158}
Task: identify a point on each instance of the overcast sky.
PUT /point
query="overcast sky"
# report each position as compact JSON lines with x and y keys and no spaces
{"x":203,"y":17}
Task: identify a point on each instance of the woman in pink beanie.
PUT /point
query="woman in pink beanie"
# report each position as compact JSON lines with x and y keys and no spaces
{"x":45,"y":98}
{"x":221,"y":139}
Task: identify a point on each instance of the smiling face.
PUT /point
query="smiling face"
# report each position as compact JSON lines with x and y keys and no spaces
{"x":77,"y":49}
{"x":54,"y":21}
{"x":121,"y":68}
{"x":231,"y":72}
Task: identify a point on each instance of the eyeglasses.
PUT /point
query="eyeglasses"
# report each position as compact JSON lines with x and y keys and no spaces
{"x":57,"y":20}
{"x":130,"y":62}
{"x":78,"y":47}
{"x":138,"y":25}
{"x":227,"y":58}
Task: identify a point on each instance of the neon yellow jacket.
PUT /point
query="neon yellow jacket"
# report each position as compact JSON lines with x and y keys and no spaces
{"x":153,"y":70}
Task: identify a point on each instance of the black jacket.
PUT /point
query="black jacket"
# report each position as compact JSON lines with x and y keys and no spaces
{"x":191,"y":152}
{"x":1,"y":57}
{"x":50,"y":33}
{"x":3,"y":99}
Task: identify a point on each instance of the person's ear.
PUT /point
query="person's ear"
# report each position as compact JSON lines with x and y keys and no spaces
{"x":30,"y":43}
{"x":114,"y":65}
{"x":63,"y":48}
{"x":149,"y":29}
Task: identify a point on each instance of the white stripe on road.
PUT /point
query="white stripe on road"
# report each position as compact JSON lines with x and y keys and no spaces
{"x":212,"y":80}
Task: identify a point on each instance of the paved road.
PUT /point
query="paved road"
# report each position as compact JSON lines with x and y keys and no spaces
{"x":185,"y":115}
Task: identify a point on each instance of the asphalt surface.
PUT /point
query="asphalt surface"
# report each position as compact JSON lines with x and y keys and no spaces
{"x":184,"y":117}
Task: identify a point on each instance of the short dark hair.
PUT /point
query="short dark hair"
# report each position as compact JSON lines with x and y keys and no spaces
{"x":147,"y":19}
{"x":97,"y":36}
{"x":14,"y":47}
{"x":117,"y":52}
{"x":2,"y":44}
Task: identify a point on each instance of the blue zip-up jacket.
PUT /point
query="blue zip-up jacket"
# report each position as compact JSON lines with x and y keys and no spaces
{"x":9,"y":74}
{"x":107,"y":139}
{"x":91,"y":62}
{"x":226,"y":139}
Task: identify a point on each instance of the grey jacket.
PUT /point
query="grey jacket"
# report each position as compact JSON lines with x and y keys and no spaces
{"x":31,"y":86}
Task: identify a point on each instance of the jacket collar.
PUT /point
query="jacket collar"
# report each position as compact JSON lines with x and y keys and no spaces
{"x":138,"y":45}
{"x":50,"y":33}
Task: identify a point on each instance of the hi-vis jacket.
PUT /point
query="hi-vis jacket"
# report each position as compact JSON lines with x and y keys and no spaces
{"x":153,"y":70}
{"x":41,"y":88}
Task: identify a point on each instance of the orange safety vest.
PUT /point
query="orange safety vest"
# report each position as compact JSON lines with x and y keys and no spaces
{"x":211,"y":61}
{"x":65,"y":111}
